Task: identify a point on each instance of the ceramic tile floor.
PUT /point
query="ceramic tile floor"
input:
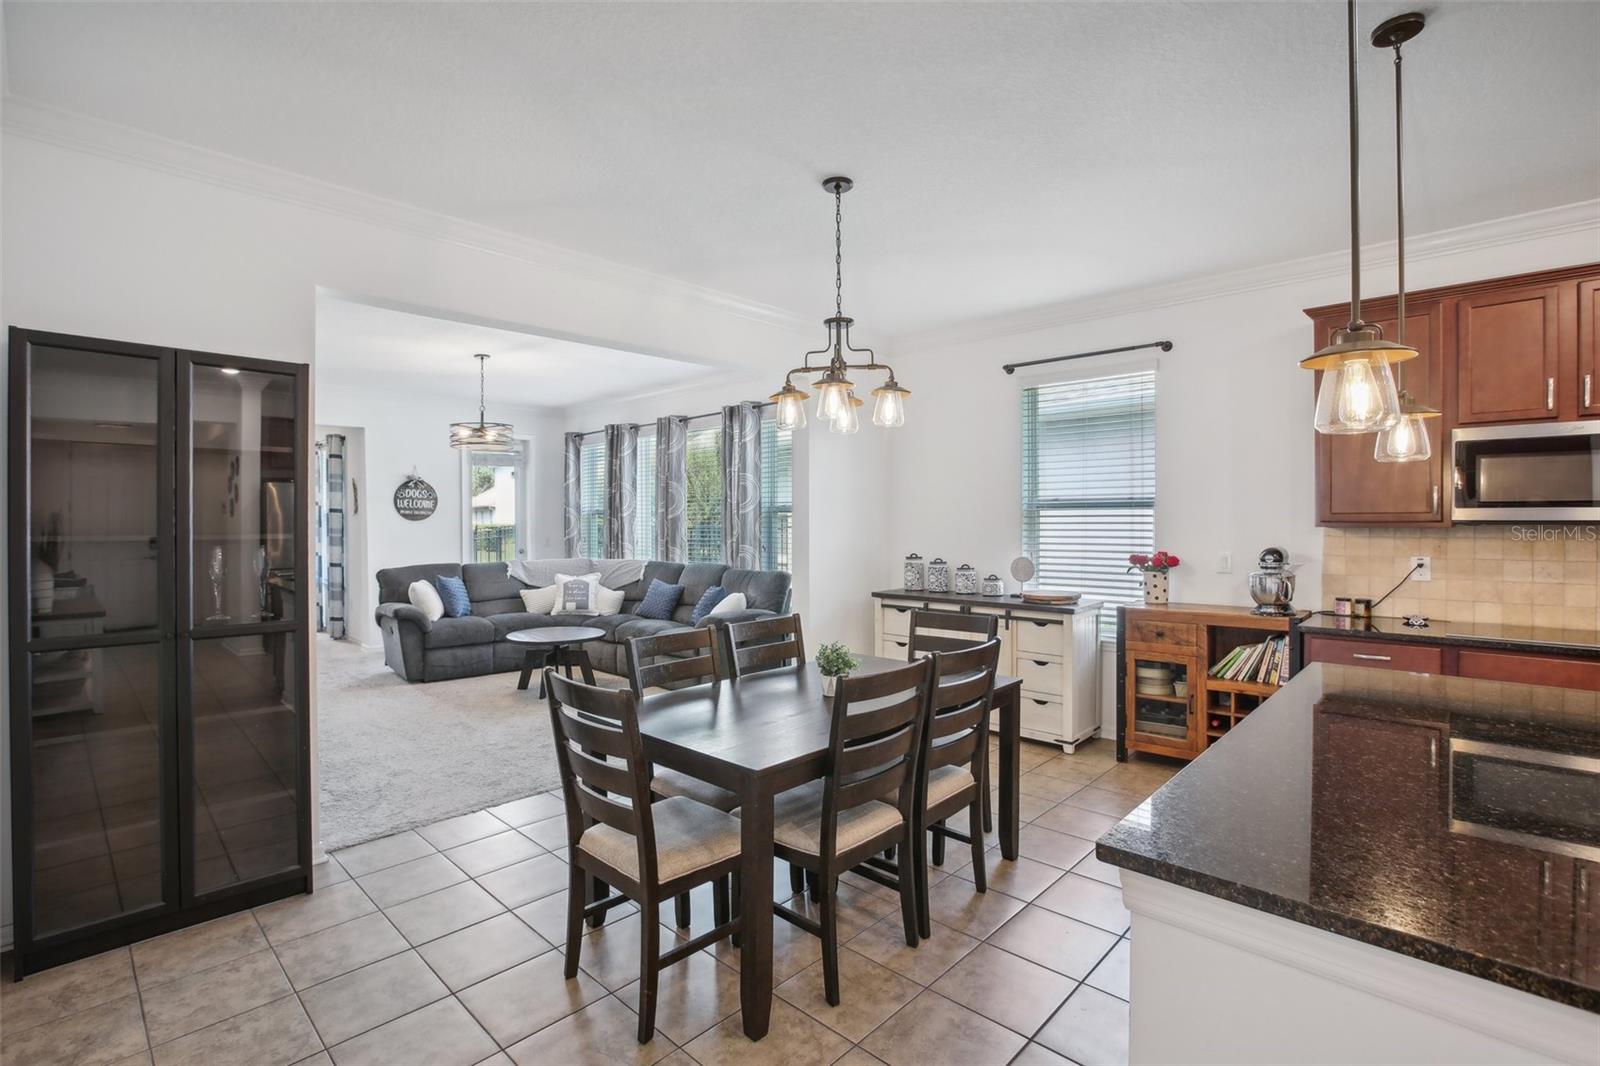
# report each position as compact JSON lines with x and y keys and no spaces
{"x":439,"y":945}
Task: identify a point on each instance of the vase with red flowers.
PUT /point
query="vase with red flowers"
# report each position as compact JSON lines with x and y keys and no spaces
{"x":1155,"y":568}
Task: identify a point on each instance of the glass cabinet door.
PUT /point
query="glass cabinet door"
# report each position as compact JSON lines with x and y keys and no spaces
{"x":243,"y":656}
{"x":1160,"y":701}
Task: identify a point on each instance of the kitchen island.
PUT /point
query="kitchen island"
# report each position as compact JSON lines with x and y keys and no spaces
{"x":1375,"y":866}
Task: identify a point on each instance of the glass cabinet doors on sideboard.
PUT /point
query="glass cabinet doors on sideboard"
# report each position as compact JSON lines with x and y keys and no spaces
{"x":159,"y":686}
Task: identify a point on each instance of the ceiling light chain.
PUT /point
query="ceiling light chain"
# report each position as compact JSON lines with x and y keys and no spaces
{"x":836,"y":398}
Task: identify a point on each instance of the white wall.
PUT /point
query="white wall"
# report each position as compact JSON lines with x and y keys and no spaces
{"x":1234,"y":444}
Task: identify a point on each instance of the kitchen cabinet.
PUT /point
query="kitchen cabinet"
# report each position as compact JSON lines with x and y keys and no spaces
{"x":1379,"y":655}
{"x":1508,"y":355}
{"x":1589,"y":348}
{"x":1352,"y":486}
{"x":1502,"y":350}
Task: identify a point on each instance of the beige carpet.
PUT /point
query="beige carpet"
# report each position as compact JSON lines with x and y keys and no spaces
{"x":395,"y":755}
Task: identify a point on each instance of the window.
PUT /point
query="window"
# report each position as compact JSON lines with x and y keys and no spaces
{"x":1089,"y":484}
{"x":777,"y":494}
{"x":592,"y":496}
{"x":644,"y":497}
{"x":496,"y":518}
{"x":703,"y":500}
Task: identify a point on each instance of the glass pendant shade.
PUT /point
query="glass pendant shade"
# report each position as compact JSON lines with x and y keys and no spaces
{"x":832,"y":398}
{"x":889,"y":409}
{"x":1357,"y":396}
{"x":848,"y":420}
{"x":1404,"y":442}
{"x":482,"y":436}
{"x":791,"y":407}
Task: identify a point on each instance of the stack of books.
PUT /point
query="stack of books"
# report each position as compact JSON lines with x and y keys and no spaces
{"x":1262,"y":663}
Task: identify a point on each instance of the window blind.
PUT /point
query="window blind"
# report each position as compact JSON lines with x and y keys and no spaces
{"x":703,"y":500}
{"x":592,"y":535}
{"x":644,"y":496}
{"x":777,"y":494}
{"x":1089,"y":485}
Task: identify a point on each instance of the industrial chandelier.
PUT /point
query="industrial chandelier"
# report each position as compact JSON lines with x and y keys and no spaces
{"x":836,"y":397}
{"x":1357,"y":393}
{"x":481,"y":436}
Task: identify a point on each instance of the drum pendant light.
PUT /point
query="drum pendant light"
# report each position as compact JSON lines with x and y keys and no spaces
{"x":1357,"y":393}
{"x":1407,"y":440}
{"x":481,"y":436}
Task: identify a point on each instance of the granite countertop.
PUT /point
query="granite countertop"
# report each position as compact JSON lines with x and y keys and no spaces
{"x":1569,"y":642}
{"x":1016,"y":603}
{"x":1368,"y":803}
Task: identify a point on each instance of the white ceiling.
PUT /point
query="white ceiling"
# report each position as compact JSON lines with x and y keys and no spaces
{"x":1007,"y":156}
{"x":378,"y":347}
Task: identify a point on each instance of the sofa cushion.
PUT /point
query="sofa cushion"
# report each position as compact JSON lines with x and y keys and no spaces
{"x":454,"y":594}
{"x":394,"y":580}
{"x":653,"y":571}
{"x":610,"y":623}
{"x":539,"y":601}
{"x":764,"y":590}
{"x":590,"y":621}
{"x":660,"y":601}
{"x":425,"y":598}
{"x":644,"y":627}
{"x":511,"y":621}
{"x":458,"y":632}
{"x":695,"y":579}
{"x":713,"y":596}
{"x":487,"y":582}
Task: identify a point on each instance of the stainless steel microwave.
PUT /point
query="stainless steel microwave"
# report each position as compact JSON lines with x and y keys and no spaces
{"x":1538,"y":472}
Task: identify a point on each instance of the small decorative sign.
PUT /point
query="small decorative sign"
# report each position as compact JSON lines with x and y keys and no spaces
{"x":415,"y":499}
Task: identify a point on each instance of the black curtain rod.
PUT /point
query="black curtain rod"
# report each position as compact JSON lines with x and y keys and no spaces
{"x":688,"y":418}
{"x":1011,"y":368}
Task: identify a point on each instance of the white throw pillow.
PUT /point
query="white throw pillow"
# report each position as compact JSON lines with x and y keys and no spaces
{"x":540,"y":601}
{"x":733,"y":601}
{"x":610,"y":600}
{"x":578,"y":595}
{"x":425,"y":598}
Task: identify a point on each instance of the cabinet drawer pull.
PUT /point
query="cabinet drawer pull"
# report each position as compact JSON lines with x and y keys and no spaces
{"x":901,"y":610}
{"x":1435,"y":508}
{"x":1038,"y":662}
{"x":1042,"y":703}
{"x":1549,"y":394}
{"x":1588,"y":390}
{"x":1373,"y":658}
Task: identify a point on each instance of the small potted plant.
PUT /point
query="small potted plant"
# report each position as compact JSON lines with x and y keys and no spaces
{"x":1154,"y":567}
{"x":833,"y":662}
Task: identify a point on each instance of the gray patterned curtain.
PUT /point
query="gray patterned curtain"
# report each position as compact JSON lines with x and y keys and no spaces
{"x":672,"y":486}
{"x":572,"y":494}
{"x":622,"y":462}
{"x":741,"y":486}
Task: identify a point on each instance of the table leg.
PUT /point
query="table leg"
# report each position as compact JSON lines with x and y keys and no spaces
{"x":1010,"y":771}
{"x":755,"y":887}
{"x":530,"y":659}
{"x":583,"y":664}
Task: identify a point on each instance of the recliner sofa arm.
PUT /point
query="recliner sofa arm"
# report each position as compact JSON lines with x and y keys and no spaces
{"x":745,"y":615}
{"x":403,"y":612}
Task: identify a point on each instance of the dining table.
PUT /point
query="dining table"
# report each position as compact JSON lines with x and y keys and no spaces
{"x":767,"y":732}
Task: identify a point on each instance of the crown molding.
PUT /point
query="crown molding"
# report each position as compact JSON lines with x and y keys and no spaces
{"x":1514,"y":229}
{"x":23,"y":117}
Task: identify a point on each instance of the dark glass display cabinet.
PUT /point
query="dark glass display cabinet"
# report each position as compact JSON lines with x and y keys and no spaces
{"x":159,"y":644}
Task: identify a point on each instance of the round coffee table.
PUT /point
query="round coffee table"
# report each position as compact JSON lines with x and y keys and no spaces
{"x":560,"y":646}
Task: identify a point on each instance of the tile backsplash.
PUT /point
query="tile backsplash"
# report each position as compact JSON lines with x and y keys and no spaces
{"x":1513,"y":575}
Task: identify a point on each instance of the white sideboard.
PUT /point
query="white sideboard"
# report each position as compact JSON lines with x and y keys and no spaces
{"x":1054,"y":650}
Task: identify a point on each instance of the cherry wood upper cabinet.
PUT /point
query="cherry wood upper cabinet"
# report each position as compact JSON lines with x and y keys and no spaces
{"x":1353,"y":488}
{"x":1508,"y":356}
{"x":1589,"y":348}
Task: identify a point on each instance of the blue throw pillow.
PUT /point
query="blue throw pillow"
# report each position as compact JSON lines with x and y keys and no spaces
{"x":453,"y":591}
{"x":713,"y":596}
{"x":660,"y":600}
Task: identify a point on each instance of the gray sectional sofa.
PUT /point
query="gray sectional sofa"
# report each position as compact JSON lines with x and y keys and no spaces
{"x":420,"y":650}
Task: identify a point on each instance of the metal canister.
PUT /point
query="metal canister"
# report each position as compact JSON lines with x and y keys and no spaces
{"x":912,"y":581}
{"x":966,"y":580}
{"x":993,"y":586}
{"x":938,"y":576}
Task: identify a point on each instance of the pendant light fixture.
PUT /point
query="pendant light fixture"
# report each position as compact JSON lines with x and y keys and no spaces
{"x":1358,"y":393}
{"x":481,"y":436}
{"x":836,"y":398}
{"x":1406,"y":441}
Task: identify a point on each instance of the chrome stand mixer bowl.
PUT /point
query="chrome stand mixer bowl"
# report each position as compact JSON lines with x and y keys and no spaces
{"x":1272,"y":586}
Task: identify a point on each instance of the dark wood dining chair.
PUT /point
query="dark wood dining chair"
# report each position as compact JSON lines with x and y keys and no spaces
{"x":931,"y":631}
{"x":687,"y":656}
{"x":923,"y":642}
{"x":765,"y":644}
{"x":648,"y":851}
{"x":865,"y":803}
{"x":951,"y":765}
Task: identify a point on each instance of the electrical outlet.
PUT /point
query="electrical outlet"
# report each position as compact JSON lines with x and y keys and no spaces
{"x":1224,"y":562}
{"x":1426,"y":564}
